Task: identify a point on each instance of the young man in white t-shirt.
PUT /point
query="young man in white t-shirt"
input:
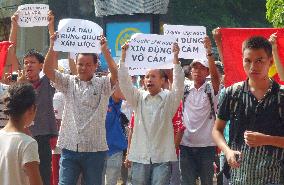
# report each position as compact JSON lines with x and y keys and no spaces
{"x":19,"y":160}
{"x":197,"y":150}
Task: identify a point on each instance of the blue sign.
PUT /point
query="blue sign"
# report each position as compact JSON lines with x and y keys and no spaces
{"x":118,"y":33}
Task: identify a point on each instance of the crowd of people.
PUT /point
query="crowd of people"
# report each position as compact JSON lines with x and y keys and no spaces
{"x":80,"y":128}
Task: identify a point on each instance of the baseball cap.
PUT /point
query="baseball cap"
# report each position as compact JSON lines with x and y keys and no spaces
{"x":201,"y":61}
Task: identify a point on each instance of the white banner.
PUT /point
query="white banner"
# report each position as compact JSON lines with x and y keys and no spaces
{"x":78,"y":36}
{"x":190,"y":40}
{"x":31,"y":15}
{"x":150,"y":51}
{"x":137,"y":71}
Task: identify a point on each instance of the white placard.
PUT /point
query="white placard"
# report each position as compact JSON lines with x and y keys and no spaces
{"x":78,"y":36}
{"x":150,"y":51}
{"x":190,"y":40}
{"x":31,"y":15}
{"x":132,"y":71}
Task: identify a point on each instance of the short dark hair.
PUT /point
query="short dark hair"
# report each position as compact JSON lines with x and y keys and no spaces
{"x":34,"y":53}
{"x":95,"y":56}
{"x":18,"y":99}
{"x":258,"y":42}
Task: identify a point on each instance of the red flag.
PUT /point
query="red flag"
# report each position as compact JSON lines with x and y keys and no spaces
{"x":3,"y":54}
{"x":232,"y":39}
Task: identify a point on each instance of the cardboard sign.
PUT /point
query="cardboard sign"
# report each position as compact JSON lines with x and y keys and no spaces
{"x":31,"y":15}
{"x":78,"y":36}
{"x":150,"y":51}
{"x":190,"y":40}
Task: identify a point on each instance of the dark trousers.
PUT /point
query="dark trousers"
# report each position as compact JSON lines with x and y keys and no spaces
{"x":197,"y":161}
{"x":44,"y":152}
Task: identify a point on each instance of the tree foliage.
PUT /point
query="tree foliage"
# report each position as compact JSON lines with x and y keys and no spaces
{"x":217,"y":13}
{"x":275,"y":12}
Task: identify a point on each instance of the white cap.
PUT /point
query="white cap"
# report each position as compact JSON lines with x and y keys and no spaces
{"x":201,"y":61}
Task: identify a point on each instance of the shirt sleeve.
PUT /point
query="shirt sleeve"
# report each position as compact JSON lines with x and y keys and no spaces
{"x":131,"y":93}
{"x":61,"y":82}
{"x":224,"y":106}
{"x":177,"y":91}
{"x":30,"y":153}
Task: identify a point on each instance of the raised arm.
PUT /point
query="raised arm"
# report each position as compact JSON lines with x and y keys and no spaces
{"x":12,"y":63}
{"x":130,"y":93}
{"x":111,"y":64}
{"x":278,"y":64}
{"x":218,"y":40}
{"x":72,"y":65}
{"x":51,"y":32}
{"x":14,"y":28}
{"x":212,"y":67}
{"x":50,"y":62}
{"x":178,"y":80}
{"x":49,"y":66}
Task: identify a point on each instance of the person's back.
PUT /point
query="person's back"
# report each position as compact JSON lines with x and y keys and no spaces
{"x":19,"y":159}
{"x":17,"y":149}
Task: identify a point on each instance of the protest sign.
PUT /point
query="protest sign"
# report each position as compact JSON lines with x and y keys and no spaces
{"x":78,"y":36}
{"x":190,"y":40}
{"x":150,"y":51}
{"x":132,"y":71}
{"x":31,"y":15}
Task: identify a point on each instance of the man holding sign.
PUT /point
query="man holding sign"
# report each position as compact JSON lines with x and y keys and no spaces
{"x":152,"y":145}
{"x":197,"y":149}
{"x":82,"y":134}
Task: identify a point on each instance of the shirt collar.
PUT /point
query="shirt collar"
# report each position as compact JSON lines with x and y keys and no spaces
{"x":272,"y":86}
{"x":90,"y":82}
{"x":201,"y":87}
{"x":162,"y":94}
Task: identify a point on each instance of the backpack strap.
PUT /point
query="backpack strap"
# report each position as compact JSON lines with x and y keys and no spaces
{"x":208,"y":91}
{"x":235,"y":102}
{"x":280,"y":101}
{"x":186,"y":93}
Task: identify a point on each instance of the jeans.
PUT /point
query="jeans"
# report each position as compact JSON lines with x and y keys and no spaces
{"x":91,"y":164}
{"x":44,"y":152}
{"x":113,"y":168}
{"x":197,"y":162}
{"x":175,"y":173}
{"x":222,"y":161}
{"x":151,"y":174}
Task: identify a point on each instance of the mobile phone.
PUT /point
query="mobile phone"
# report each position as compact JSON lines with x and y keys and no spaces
{"x":14,"y":76}
{"x":238,"y":158}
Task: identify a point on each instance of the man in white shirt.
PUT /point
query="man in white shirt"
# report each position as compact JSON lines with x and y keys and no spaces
{"x":197,"y":148}
{"x":152,"y":144}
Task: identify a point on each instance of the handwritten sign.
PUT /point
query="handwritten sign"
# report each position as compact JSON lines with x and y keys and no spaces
{"x":132,"y":71}
{"x":190,"y":40}
{"x":78,"y":36}
{"x":31,"y":15}
{"x":150,"y":51}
